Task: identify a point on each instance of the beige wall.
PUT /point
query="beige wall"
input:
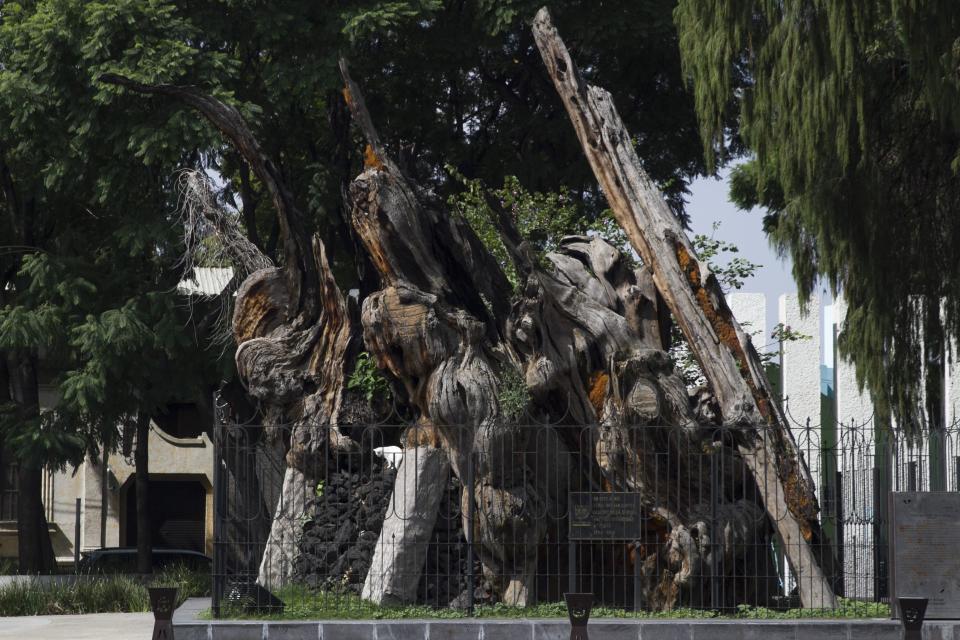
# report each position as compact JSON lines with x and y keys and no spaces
{"x":170,"y":459}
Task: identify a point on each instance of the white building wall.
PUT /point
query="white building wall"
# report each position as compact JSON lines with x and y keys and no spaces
{"x":800,"y":373}
{"x":750,"y":310}
{"x":855,"y":431}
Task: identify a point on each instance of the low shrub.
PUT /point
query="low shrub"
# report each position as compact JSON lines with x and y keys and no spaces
{"x":98,"y":594}
{"x":93,"y":595}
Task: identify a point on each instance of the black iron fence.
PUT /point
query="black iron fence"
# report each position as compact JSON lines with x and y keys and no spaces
{"x":645,"y":517}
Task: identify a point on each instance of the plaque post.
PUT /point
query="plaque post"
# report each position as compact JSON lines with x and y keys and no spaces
{"x":578,"y":608}
{"x":912,"y":611}
{"x":162,"y":601}
{"x":637,"y":590}
{"x":603,"y":516}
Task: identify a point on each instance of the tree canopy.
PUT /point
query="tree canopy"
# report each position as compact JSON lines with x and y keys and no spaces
{"x":850,"y":113}
{"x":88,"y":209}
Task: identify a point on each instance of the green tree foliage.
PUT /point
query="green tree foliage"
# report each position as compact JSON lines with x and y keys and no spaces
{"x":367,"y":379}
{"x":850,"y":110}
{"x":731,"y":270}
{"x":542,"y":219}
{"x":464,"y":85}
{"x":87,"y":284}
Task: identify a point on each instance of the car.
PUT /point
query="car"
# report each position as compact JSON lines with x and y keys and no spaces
{"x":124,"y":560}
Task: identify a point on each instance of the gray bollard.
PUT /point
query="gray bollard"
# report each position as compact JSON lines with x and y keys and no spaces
{"x":162,"y":601}
{"x":578,"y":608}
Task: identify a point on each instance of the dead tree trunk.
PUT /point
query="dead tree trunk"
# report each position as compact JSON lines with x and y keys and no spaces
{"x":294,"y":332}
{"x":585,"y":332}
{"x":693,"y":295}
{"x":438,"y":324}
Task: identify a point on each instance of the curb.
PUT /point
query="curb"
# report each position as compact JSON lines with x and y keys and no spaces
{"x":188,"y":626}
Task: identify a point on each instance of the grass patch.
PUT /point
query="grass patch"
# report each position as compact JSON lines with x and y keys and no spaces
{"x":304,"y":604}
{"x":98,"y":594}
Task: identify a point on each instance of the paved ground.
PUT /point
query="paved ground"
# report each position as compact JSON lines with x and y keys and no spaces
{"x":100,"y":626}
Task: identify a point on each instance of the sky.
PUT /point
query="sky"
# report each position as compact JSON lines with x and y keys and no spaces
{"x":708,"y":203}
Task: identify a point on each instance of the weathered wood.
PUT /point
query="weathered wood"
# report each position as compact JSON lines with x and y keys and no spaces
{"x":280,"y":552}
{"x":693,"y":294}
{"x":438,"y":325}
{"x":586,"y":333}
{"x":300,"y":268}
{"x":296,"y":335}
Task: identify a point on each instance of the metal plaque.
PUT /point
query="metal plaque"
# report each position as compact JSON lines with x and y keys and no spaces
{"x":604,"y":516}
{"x":925,"y":550}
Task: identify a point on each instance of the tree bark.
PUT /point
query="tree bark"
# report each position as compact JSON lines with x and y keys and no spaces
{"x":141,"y":460}
{"x":935,"y":392}
{"x":104,"y":493}
{"x":585,"y":333}
{"x":35,"y":549}
{"x":5,"y":398}
{"x":693,"y":295}
{"x":296,"y":334}
{"x":577,"y":348}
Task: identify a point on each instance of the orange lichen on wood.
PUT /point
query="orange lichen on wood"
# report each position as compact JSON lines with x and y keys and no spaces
{"x":599,"y":384}
{"x":799,"y":501}
{"x":721,"y":324}
{"x":371,"y":160}
{"x":347,"y":96}
{"x":797,"y":494}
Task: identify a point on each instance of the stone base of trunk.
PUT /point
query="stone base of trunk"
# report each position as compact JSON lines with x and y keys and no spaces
{"x":401,"y":550}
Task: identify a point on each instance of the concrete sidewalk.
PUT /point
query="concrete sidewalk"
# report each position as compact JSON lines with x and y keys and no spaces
{"x":98,"y":626}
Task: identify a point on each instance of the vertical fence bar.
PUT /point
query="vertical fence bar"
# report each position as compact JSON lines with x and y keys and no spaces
{"x":883,"y":442}
{"x":219,"y":510}
{"x":468,"y":534}
{"x":879,"y":546}
{"x":841,"y":541}
{"x":715,"y":556}
{"x":76,"y":539}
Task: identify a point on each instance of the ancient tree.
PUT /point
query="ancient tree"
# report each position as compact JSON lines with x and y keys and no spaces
{"x":585,"y":332}
{"x":693,"y":295}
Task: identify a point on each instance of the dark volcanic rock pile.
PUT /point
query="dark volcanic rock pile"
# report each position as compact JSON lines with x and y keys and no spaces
{"x":344,"y":522}
{"x":342,"y":528}
{"x":445,"y":570}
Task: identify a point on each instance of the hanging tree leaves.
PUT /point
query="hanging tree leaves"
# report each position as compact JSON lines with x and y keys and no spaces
{"x":850,"y":110}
